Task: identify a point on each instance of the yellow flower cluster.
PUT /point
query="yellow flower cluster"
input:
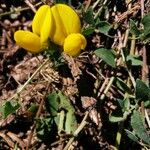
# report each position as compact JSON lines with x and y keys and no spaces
{"x":60,"y":24}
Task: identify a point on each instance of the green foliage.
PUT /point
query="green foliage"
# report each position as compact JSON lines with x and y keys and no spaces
{"x":134,"y":60}
{"x":142,"y":91}
{"x":107,"y":56}
{"x":9,"y":108}
{"x":131,"y":135}
{"x":116,"y":117}
{"x":94,"y":23}
{"x":104,"y":27}
{"x":88,"y":16}
{"x":137,"y":123}
{"x":123,"y":86}
{"x":146,"y":23}
{"x":52,"y":104}
{"x":44,"y":127}
{"x":33,"y":109}
{"x":59,"y":106}
{"x":53,"y":52}
{"x":134,"y":29}
{"x":88,"y":31}
{"x":122,"y":111}
{"x":142,"y":34}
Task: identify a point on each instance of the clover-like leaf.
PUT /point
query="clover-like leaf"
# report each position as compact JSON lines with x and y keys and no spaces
{"x":107,"y":56}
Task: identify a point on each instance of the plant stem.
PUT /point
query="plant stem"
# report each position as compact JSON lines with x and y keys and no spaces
{"x":121,"y":124}
{"x":132,"y":48}
{"x":81,"y":126}
{"x":96,"y":3}
{"x":119,"y":134}
{"x":107,"y":88}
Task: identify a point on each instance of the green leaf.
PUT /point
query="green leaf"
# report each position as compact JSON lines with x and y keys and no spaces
{"x":115,"y":118}
{"x":88,"y":31}
{"x":142,"y":91}
{"x":88,"y":16}
{"x":138,"y":127}
{"x":134,"y":29}
{"x":107,"y":56}
{"x":116,"y":115}
{"x":147,"y":104}
{"x":63,"y":112}
{"x":65,"y":103}
{"x":9,"y":108}
{"x":52,"y":103}
{"x":104,"y":27}
{"x":146,"y":23}
{"x":145,"y":36}
{"x":33,"y":108}
{"x":135,"y":60}
{"x":123,"y":86}
{"x":131,"y":135}
{"x":45,"y":127}
{"x":124,"y":104}
{"x":71,"y":122}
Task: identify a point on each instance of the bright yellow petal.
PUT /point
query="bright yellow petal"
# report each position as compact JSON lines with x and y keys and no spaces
{"x":28,"y":41}
{"x":42,"y":16}
{"x":74,"y":43}
{"x":46,"y":26}
{"x":66,"y":21}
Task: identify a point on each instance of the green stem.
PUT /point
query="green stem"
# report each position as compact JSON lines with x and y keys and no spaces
{"x":119,"y":134}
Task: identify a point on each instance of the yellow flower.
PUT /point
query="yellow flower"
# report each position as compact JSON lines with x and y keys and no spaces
{"x":42,"y":24}
{"x":66,"y":29}
{"x":60,"y":23}
{"x":74,"y":43}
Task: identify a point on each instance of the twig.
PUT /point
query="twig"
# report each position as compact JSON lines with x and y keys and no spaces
{"x":30,"y":5}
{"x":33,"y":127}
{"x":107,"y":88}
{"x":121,"y":124}
{"x":81,"y":126}
{"x":18,"y":10}
{"x":147,"y":118}
{"x":28,"y":81}
{"x":98,"y":12}
{"x":132,"y":48}
{"x":145,"y":70}
{"x":121,"y":45}
{"x":96,"y":3}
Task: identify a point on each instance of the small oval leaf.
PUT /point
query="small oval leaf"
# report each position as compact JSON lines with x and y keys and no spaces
{"x":107,"y":56}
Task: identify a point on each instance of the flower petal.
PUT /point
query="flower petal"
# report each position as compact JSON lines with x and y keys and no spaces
{"x":46,"y":27}
{"x":66,"y":21}
{"x":28,"y":41}
{"x":74,"y":43}
{"x":42,"y":20}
